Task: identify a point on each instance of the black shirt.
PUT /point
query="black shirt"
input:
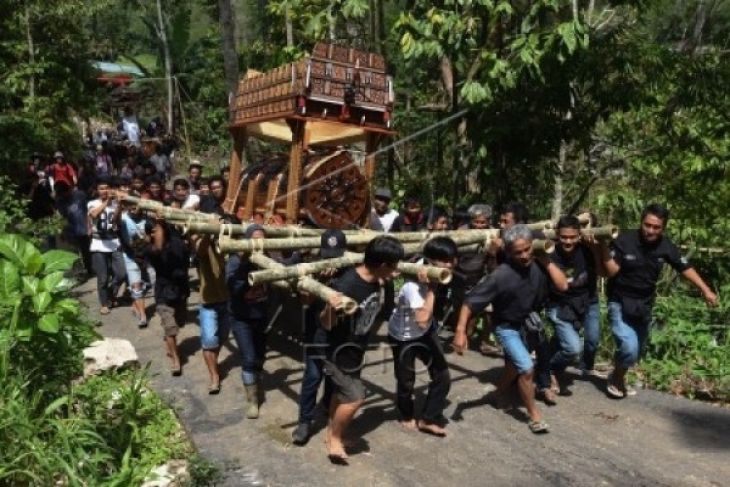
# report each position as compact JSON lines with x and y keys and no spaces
{"x":579,"y":268}
{"x":513,"y":291}
{"x":208,"y":204}
{"x":641,"y":264}
{"x":405,"y":223}
{"x":349,"y":335}
{"x":172,"y":283}
{"x":247,"y":302}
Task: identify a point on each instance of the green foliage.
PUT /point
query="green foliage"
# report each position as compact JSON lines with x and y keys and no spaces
{"x":47,"y":76}
{"x":109,"y":431}
{"x":40,"y":325}
{"x":204,"y":473}
{"x":689,"y":351}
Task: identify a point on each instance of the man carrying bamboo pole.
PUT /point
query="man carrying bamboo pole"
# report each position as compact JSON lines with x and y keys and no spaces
{"x":213,"y":310}
{"x":247,"y":306}
{"x":517,"y":290}
{"x":577,"y":307}
{"x":367,"y":284}
{"x":334,"y":244}
{"x":633,"y":264}
{"x":412,"y":333}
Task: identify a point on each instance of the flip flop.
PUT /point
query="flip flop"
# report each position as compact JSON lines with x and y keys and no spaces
{"x":538,"y":427}
{"x":214,"y":389}
{"x":612,"y":391}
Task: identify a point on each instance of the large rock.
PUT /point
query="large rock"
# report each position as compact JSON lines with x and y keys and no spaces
{"x":172,"y":474}
{"x":109,"y":354}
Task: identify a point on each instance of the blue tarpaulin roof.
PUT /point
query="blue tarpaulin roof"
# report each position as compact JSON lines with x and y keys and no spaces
{"x":117,"y":68}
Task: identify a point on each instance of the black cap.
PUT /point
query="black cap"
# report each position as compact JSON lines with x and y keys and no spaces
{"x":383,"y":193}
{"x":251,"y":229}
{"x":334,"y":244}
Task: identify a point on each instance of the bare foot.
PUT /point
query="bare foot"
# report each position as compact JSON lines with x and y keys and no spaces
{"x":408,"y":424}
{"x":431,"y":428}
{"x":335,"y":450}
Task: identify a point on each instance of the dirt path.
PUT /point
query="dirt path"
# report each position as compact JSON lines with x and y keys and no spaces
{"x":651,"y":439}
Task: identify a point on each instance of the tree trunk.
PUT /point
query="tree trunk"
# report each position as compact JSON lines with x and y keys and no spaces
{"x":558,"y":189}
{"x":331,"y":24}
{"x":262,"y":19}
{"x":289,"y":26}
{"x":447,"y":79}
{"x":227,"y":20}
{"x":168,"y":67}
{"x":31,"y":54}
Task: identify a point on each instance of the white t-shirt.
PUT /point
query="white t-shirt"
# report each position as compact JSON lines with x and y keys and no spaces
{"x":403,"y":325}
{"x":192,"y":202}
{"x":103,"y":229}
{"x":131,"y":128}
{"x":382,"y":223}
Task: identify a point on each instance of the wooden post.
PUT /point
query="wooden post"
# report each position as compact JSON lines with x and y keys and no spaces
{"x":371,"y":144}
{"x":253,"y":186}
{"x":295,"y":170}
{"x":238,"y":164}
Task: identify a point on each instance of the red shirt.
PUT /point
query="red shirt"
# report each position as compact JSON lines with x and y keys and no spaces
{"x":63,"y":172}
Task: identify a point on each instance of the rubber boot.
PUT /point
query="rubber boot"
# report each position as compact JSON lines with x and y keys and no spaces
{"x":252,"y":401}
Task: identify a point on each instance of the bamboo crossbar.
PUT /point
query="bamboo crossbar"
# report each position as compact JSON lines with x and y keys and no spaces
{"x":436,"y":274}
{"x":305,"y":283}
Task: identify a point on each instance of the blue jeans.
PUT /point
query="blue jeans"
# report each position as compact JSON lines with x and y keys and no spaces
{"x":315,"y":351}
{"x":214,"y":325}
{"x":515,"y":349}
{"x":630,"y":337}
{"x":250,"y":336}
{"x":567,"y":343}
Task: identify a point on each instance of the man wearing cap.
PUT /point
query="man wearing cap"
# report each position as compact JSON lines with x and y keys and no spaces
{"x":333,"y":245}
{"x":62,"y":170}
{"x":381,"y":216}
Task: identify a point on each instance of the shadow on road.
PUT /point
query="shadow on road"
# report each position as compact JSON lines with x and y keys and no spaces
{"x":704,"y":429}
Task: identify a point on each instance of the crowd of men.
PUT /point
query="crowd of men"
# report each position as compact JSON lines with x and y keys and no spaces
{"x":507,"y":285}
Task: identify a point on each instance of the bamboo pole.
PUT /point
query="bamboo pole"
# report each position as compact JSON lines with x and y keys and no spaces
{"x":218,"y":228}
{"x":305,"y":283}
{"x":464,"y":237}
{"x":606,"y":232}
{"x":538,"y":245}
{"x":437,"y":274}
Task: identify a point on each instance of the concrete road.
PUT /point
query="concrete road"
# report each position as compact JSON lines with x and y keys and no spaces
{"x":652,"y":439}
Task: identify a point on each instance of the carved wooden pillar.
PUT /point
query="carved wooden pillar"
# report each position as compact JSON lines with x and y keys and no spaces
{"x":238,"y":164}
{"x":371,"y":145}
{"x":298,"y":144}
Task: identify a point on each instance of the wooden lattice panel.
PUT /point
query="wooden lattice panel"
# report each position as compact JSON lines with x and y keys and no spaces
{"x":319,"y":86}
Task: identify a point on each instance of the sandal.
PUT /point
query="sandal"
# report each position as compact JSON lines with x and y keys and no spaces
{"x":214,"y":389}
{"x":104,"y":310}
{"x":538,"y":427}
{"x":612,"y":390}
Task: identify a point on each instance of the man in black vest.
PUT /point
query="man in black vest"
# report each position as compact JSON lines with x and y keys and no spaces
{"x":633,"y":264}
